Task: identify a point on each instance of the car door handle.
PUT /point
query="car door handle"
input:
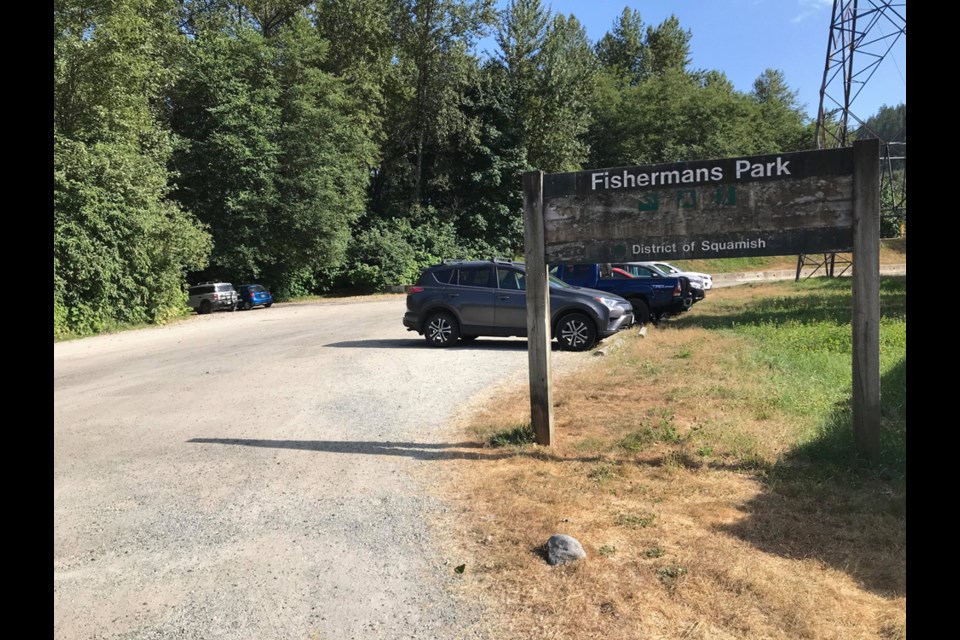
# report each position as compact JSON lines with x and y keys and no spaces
{"x":452,"y":295}
{"x":503,"y":297}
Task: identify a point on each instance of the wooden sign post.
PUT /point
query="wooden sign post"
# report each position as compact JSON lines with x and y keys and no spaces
{"x":779,"y":204}
{"x":538,"y":310}
{"x":866,"y":298}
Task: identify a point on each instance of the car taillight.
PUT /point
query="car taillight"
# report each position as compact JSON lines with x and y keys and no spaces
{"x":216,"y":297}
{"x":676,"y":290}
{"x":415,"y":290}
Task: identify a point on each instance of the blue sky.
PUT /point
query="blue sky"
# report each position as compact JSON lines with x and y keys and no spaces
{"x":744,"y":37}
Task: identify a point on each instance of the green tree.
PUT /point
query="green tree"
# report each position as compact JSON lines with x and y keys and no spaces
{"x":549,"y":68}
{"x":621,"y":51}
{"x":667,"y":47}
{"x":888,"y":123}
{"x":121,"y":246}
{"x":276,"y":158}
{"x":362,"y":60}
{"x":432,"y":72}
{"x":782,"y":125}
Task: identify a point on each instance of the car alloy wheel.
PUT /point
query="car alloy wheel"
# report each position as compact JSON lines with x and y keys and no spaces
{"x":577,"y":333}
{"x":442,"y":330}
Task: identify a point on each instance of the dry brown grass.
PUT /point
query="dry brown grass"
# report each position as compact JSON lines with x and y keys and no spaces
{"x":660,"y":471}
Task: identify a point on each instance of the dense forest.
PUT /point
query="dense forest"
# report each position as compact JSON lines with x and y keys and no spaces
{"x":344,"y":144}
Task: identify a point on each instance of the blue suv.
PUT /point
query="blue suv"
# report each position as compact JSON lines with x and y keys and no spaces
{"x":253,"y":295}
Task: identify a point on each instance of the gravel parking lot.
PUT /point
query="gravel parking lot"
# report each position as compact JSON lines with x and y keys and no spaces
{"x":252,"y":475}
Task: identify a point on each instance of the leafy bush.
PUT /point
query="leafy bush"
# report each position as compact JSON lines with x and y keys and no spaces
{"x":394,"y":252}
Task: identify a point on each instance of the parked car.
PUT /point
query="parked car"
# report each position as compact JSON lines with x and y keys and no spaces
{"x":206,"y":297}
{"x":652,"y":299}
{"x":670,"y":269}
{"x":650,"y":270}
{"x":461,"y":300}
{"x":253,"y":295}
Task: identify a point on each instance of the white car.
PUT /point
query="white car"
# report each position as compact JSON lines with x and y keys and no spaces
{"x":666,"y":267}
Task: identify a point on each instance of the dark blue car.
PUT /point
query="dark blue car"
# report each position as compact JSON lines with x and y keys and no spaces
{"x":253,"y":295}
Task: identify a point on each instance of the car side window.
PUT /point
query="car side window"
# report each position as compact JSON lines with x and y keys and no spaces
{"x":476,"y":277}
{"x":580,"y":271}
{"x":510,"y":279}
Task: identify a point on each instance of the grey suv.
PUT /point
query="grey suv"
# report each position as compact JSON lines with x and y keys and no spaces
{"x":466,"y":299}
{"x":211,"y":296}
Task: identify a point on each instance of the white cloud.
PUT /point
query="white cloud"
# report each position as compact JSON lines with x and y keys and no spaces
{"x":810,"y":7}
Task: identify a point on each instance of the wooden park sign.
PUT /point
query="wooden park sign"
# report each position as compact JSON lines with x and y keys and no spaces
{"x":780,"y":204}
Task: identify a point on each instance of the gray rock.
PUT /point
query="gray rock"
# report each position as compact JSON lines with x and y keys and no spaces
{"x":562,"y":549}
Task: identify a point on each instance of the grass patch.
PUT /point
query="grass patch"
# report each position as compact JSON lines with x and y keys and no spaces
{"x":604,"y":472}
{"x":111,"y":327}
{"x":636,"y":521}
{"x":669,"y":575}
{"x":738,"y":459}
{"x":518,"y":436}
{"x":590,"y":445}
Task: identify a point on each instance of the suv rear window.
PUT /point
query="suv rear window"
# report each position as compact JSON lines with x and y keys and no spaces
{"x":442,"y":275}
{"x":224,"y":287}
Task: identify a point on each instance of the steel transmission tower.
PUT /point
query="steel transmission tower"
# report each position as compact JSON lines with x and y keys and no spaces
{"x":862,"y":33}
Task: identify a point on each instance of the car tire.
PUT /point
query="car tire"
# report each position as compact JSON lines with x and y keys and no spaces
{"x":247,"y":305}
{"x":641,"y":312}
{"x":267,"y":306}
{"x":206,"y":307}
{"x":576,"y":332}
{"x":232,"y":307}
{"x":441,"y":330}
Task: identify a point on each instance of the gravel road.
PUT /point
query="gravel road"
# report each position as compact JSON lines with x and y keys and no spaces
{"x":253,"y":475}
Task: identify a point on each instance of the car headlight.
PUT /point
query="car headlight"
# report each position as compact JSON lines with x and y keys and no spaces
{"x":610,"y":304}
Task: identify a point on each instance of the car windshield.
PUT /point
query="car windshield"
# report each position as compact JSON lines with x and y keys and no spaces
{"x":667,"y":268}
